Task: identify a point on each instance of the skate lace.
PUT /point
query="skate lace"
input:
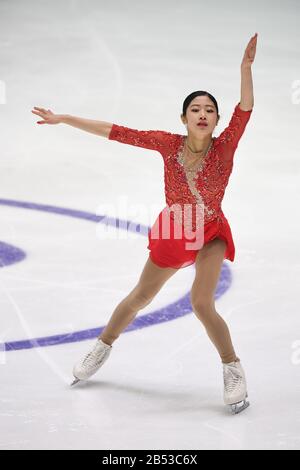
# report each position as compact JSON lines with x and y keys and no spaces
{"x":93,"y":358}
{"x":232,"y":378}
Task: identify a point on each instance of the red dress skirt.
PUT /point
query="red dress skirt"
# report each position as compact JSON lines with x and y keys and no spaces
{"x":172,"y":252}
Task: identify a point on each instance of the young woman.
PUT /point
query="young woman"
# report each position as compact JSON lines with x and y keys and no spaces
{"x":197,"y":168}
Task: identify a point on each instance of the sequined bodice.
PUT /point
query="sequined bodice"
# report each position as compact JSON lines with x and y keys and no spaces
{"x":205,"y":186}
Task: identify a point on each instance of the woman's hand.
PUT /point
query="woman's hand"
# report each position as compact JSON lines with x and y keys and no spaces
{"x":250,"y":51}
{"x":47,"y":115}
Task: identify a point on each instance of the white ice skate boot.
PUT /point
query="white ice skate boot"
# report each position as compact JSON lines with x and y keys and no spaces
{"x":93,"y":360}
{"x":235,"y":387}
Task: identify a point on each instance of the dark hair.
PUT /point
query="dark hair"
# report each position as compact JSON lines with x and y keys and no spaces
{"x":193,"y":95}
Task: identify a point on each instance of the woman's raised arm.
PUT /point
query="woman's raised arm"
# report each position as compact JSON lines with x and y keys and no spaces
{"x":101,"y":128}
{"x":247,"y":98}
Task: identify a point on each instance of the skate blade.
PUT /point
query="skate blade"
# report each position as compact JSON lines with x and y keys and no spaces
{"x":237,"y":408}
{"x":75,"y":381}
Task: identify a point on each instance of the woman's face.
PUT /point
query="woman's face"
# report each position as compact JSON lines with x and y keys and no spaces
{"x":201,"y":110}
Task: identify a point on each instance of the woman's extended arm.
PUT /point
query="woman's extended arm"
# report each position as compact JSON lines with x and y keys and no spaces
{"x":101,"y":128}
{"x":247,"y":98}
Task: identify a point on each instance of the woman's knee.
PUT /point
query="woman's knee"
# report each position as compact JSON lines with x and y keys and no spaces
{"x":203,"y":307}
{"x":140,"y":297}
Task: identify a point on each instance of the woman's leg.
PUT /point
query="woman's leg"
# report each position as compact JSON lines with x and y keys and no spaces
{"x":151,"y":281}
{"x":208,"y":267}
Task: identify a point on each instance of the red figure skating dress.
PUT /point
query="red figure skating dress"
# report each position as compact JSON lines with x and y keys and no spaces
{"x":205,"y":187}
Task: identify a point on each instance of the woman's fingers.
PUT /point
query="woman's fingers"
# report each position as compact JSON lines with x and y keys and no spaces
{"x":37,"y":112}
{"x":253,"y":39}
{"x":40,"y":114}
{"x":46,"y":114}
{"x":40,"y":109}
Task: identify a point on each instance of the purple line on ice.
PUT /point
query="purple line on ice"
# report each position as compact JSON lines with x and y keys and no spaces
{"x":10,"y":254}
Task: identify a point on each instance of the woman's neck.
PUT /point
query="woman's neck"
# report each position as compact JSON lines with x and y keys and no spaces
{"x":198,"y":144}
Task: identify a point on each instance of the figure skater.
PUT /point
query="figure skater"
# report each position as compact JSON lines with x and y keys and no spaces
{"x":197,"y":168}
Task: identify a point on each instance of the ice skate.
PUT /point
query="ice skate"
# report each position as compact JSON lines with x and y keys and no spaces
{"x":92,"y":362}
{"x":235,"y":387}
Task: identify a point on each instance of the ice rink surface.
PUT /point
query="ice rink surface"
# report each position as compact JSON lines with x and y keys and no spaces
{"x":133,"y":63}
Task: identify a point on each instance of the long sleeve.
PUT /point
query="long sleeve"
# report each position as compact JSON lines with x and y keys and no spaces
{"x":152,"y":139}
{"x":235,"y":129}
{"x":228,"y":140}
